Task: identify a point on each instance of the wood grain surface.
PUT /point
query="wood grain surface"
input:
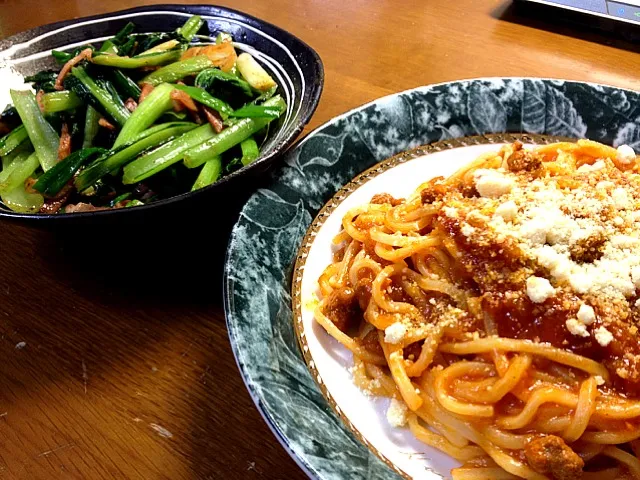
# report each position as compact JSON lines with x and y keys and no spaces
{"x":115,"y":360}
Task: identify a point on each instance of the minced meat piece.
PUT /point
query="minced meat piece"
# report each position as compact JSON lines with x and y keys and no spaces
{"x":382,"y":198}
{"x":523,"y":160}
{"x":433,"y":191}
{"x":549,"y":455}
{"x":588,"y":250}
{"x":342,"y":309}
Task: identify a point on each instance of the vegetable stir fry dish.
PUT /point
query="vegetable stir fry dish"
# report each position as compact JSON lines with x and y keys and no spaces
{"x":139,"y":118}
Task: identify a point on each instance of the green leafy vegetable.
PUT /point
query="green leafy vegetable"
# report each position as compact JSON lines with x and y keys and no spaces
{"x":109,"y":47}
{"x":230,"y":136}
{"x":256,"y":111}
{"x":123,"y":35}
{"x":178,"y":70}
{"x":151,"y":60}
{"x":215,"y":80}
{"x":20,"y":201}
{"x":42,"y":135}
{"x":157,"y":102}
{"x":191,"y":27}
{"x":210,"y":172}
{"x":64,"y":57}
{"x":21,"y":168}
{"x":57,"y":177}
{"x":203,"y":97}
{"x":91,"y":126}
{"x":13,"y":140}
{"x":60,"y":101}
{"x":128,"y":155}
{"x":81,"y":83}
{"x":165,"y":156}
{"x":125,"y":86}
{"x":44,"y":81}
{"x":118,"y":157}
{"x":250,"y":151}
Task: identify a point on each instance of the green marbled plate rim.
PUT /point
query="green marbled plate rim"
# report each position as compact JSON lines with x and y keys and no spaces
{"x":265,"y":241}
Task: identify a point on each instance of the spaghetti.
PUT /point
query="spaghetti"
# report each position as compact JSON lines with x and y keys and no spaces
{"x":499,"y":309}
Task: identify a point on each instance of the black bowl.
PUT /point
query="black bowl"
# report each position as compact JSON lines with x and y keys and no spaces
{"x":294,"y":65}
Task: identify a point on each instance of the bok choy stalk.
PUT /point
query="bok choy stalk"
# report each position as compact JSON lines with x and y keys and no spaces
{"x":170,"y":153}
{"x":19,"y":200}
{"x":91,"y":126}
{"x":13,"y":140}
{"x":124,"y":84}
{"x":156,"y":103}
{"x":256,"y":111}
{"x":210,"y":172}
{"x":230,"y":136}
{"x":250,"y":151}
{"x":253,"y":73}
{"x":150,"y":60}
{"x":60,"y":101}
{"x":25,"y":147}
{"x":178,"y":70}
{"x":162,"y":47}
{"x":191,"y":27}
{"x":44,"y":138}
{"x":116,"y":158}
{"x":21,"y":168}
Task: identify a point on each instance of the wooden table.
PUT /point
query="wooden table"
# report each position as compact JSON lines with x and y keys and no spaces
{"x":115,"y":364}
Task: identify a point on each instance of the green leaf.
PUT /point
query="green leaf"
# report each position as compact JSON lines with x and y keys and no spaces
{"x":256,"y":111}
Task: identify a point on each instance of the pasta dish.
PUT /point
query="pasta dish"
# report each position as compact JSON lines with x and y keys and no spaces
{"x":499,"y":308}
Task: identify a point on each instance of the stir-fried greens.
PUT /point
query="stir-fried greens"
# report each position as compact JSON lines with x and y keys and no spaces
{"x":139,"y":118}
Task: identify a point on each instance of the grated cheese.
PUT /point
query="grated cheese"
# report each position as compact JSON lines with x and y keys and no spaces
{"x":576,"y":328}
{"x":605,"y":185}
{"x":625,"y":154}
{"x":586,"y":168}
{"x":450,"y":212}
{"x":395,"y":333}
{"x":586,"y":314}
{"x":507,"y":210}
{"x":397,"y":413}
{"x":603,"y":336}
{"x":620,"y":198}
{"x":550,"y":222}
{"x":467,"y":230}
{"x":535,"y":231}
{"x":492,"y":183}
{"x":539,"y":289}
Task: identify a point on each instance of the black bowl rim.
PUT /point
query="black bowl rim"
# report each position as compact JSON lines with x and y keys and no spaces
{"x":315,"y":88}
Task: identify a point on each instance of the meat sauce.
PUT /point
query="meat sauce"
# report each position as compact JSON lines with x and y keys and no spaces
{"x":500,"y":272}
